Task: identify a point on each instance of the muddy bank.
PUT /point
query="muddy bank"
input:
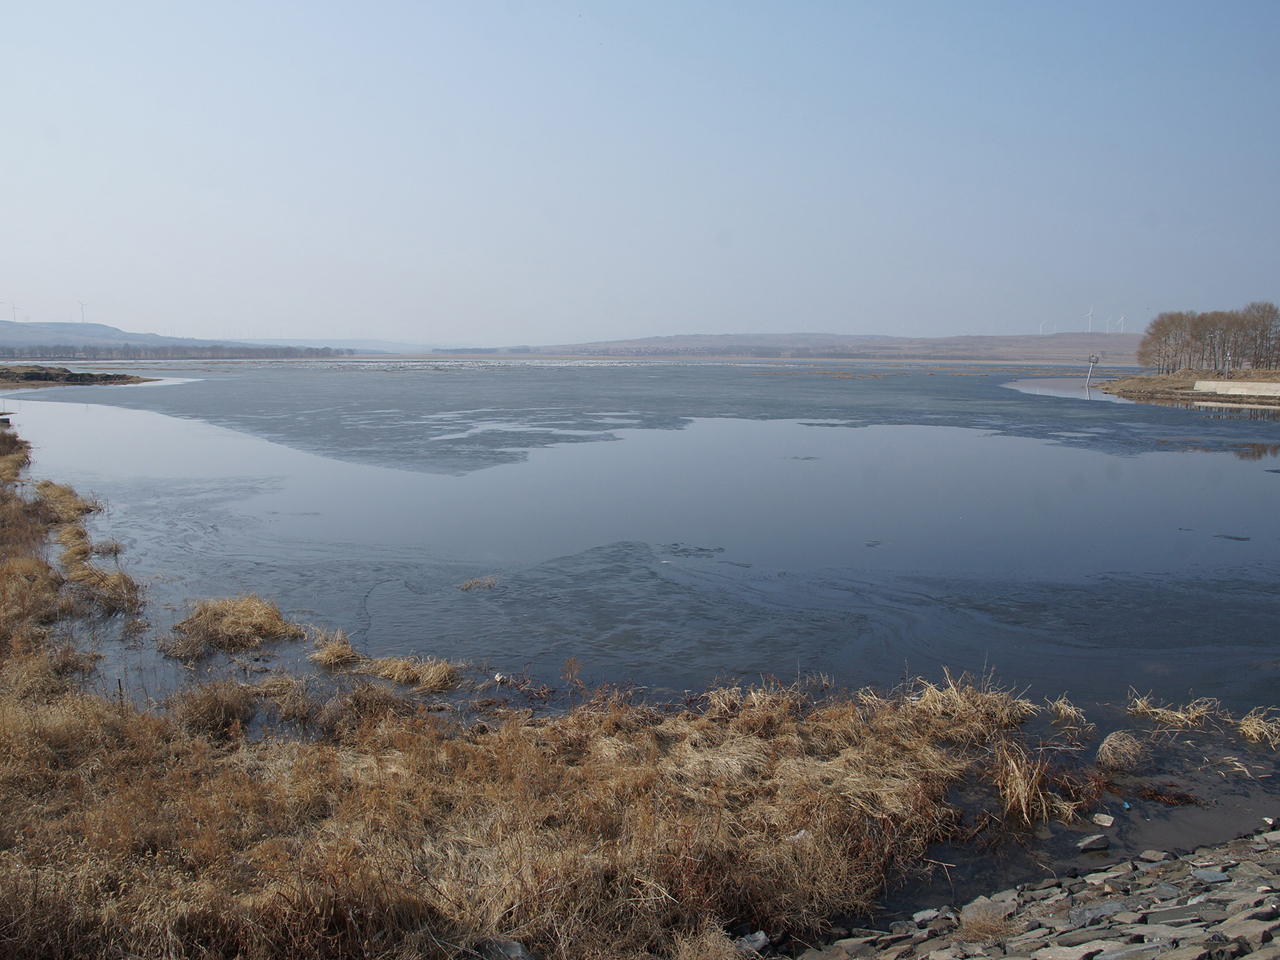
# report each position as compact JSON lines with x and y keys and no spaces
{"x":1179,"y":389}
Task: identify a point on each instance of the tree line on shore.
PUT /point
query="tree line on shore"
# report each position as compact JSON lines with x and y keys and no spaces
{"x":1217,"y":340}
{"x":129,"y":351}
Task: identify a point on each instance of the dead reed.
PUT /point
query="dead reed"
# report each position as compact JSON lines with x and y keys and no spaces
{"x":616,"y":829}
{"x":61,"y":504}
{"x":229,"y":624}
{"x":423,"y":674}
{"x":15,"y":455}
{"x":1260,"y":726}
{"x":985,"y":926}
{"x":1194,"y":714}
{"x":1069,"y":717}
{"x":334,"y":651}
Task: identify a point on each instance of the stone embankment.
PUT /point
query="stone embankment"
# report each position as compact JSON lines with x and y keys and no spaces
{"x":1217,"y":903}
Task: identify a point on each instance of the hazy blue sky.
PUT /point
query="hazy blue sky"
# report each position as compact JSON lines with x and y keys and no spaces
{"x":502,"y":173}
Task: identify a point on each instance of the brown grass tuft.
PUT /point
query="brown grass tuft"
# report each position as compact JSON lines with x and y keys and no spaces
{"x":425,"y":675}
{"x":987,"y":927}
{"x":1193,"y":714}
{"x":1259,"y":726}
{"x":61,"y":504}
{"x":1120,"y":752}
{"x":219,"y":709}
{"x":1024,"y":785}
{"x":29,"y":599}
{"x":1069,"y":717}
{"x":291,"y":697}
{"x":108,"y":548}
{"x":709,"y":943}
{"x":112,"y":592}
{"x":15,"y":455}
{"x":229,"y":624}
{"x":334,"y":651}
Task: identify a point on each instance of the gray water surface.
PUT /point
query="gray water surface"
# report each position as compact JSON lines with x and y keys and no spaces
{"x":674,"y":523}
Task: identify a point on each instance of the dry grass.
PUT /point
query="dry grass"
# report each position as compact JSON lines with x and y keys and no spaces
{"x":291,"y":698}
{"x":615,"y":829}
{"x":424,"y":675}
{"x":108,"y":548}
{"x":218,"y":709}
{"x":112,"y":592}
{"x":480,"y":583}
{"x":62,"y":504}
{"x":988,"y":927}
{"x":1069,"y":717}
{"x":15,"y":455}
{"x":1259,"y":726}
{"x":334,"y":651}
{"x":229,"y":624}
{"x":1024,"y":785}
{"x":1193,"y":714}
{"x":1120,"y":752}
{"x":109,"y":591}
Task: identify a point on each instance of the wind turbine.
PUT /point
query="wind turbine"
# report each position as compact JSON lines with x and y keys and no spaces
{"x":1042,"y":323}
{"x":82,"y":306}
{"x":1122,"y":323}
{"x":1109,"y":323}
{"x":1089,"y":316}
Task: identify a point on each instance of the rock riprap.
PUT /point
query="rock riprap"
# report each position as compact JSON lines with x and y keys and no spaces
{"x":1217,"y":903}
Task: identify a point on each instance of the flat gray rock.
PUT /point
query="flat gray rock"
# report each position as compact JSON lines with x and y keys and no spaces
{"x":1210,"y":876}
{"x":1084,"y":915}
{"x":1135,"y":951}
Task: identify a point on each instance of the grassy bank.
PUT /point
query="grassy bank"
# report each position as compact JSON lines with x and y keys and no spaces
{"x":269,"y":819}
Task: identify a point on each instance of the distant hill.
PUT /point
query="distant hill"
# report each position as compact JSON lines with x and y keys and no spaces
{"x":100,"y":335}
{"x":358,"y":345}
{"x":97,"y":341}
{"x":86,"y":335}
{"x":1047,"y":348}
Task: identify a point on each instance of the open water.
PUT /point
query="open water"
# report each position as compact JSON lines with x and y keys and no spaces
{"x":674,"y":523}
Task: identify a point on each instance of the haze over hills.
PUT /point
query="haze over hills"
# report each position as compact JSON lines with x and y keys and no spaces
{"x":1048,"y":348}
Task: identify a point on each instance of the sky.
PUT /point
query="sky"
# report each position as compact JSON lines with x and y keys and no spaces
{"x":504,"y":173}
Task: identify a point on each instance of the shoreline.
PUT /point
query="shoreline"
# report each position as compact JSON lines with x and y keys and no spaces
{"x":1212,"y":903}
{"x":1179,"y":389}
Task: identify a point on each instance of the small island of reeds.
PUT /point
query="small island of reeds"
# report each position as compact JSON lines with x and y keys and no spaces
{"x":28,"y":376}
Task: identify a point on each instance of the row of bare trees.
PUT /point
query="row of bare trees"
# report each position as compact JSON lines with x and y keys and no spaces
{"x":1219,"y":340}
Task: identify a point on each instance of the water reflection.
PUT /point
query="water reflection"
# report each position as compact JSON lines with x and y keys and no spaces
{"x":726,"y":546}
{"x":1070,"y":388}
